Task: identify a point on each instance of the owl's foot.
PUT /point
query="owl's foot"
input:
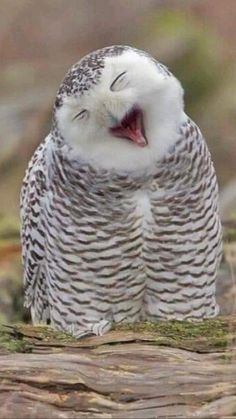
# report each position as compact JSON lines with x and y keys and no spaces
{"x":98,"y":329}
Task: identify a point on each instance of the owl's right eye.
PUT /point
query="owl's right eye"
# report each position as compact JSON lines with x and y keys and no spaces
{"x":81,"y":115}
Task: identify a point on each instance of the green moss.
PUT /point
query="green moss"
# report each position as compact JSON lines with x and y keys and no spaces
{"x":209,"y":335}
{"x":190,"y":335}
{"x":21,"y":337}
{"x":45,"y":333}
{"x":12,"y":342}
{"x":185,"y":329}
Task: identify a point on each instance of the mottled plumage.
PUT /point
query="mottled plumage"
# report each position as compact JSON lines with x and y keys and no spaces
{"x":112,"y":231}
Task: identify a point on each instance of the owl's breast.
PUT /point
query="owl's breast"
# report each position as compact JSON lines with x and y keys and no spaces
{"x":143,"y":209}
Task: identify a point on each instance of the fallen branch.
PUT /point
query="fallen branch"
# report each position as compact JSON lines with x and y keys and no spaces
{"x":166,"y":369}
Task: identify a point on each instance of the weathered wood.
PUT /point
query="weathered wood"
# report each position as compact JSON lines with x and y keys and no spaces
{"x":167,"y":369}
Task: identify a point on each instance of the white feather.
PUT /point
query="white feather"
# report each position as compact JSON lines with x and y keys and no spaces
{"x":159,"y":97}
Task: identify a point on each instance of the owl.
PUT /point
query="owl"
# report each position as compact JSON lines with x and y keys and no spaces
{"x":119,"y":204}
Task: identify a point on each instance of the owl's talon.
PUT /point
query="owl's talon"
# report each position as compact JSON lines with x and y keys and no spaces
{"x":91,"y":329}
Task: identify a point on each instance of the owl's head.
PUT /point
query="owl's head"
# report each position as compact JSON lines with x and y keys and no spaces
{"x":119,"y":108}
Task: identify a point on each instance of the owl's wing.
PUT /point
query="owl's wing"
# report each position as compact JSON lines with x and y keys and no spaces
{"x":188,"y":231}
{"x":32,"y":202}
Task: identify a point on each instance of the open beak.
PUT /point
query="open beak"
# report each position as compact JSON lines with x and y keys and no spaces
{"x":131,"y":127}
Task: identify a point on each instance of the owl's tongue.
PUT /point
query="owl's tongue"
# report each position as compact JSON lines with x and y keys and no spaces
{"x":131,"y":127}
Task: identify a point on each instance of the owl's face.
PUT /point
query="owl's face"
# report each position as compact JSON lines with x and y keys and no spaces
{"x":126,"y":117}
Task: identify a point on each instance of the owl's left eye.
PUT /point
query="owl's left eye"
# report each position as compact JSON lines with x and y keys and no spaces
{"x":81,"y":115}
{"x":119,"y":83}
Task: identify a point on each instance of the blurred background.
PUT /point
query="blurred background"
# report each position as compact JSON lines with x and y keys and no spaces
{"x":39,"y":41}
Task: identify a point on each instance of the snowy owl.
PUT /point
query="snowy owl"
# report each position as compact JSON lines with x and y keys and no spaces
{"x":119,"y":205}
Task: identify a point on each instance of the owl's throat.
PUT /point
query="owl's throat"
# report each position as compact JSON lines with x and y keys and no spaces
{"x":131,"y":127}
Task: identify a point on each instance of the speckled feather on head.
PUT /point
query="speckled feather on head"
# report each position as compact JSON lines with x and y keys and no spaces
{"x":120,"y":227}
{"x":84,"y":74}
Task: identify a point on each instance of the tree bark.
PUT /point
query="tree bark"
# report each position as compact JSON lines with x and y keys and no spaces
{"x":146,"y":370}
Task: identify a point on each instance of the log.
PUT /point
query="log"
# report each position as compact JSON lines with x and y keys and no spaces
{"x":167,"y":369}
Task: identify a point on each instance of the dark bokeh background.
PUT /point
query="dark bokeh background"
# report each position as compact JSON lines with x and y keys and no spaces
{"x":40,"y":40}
